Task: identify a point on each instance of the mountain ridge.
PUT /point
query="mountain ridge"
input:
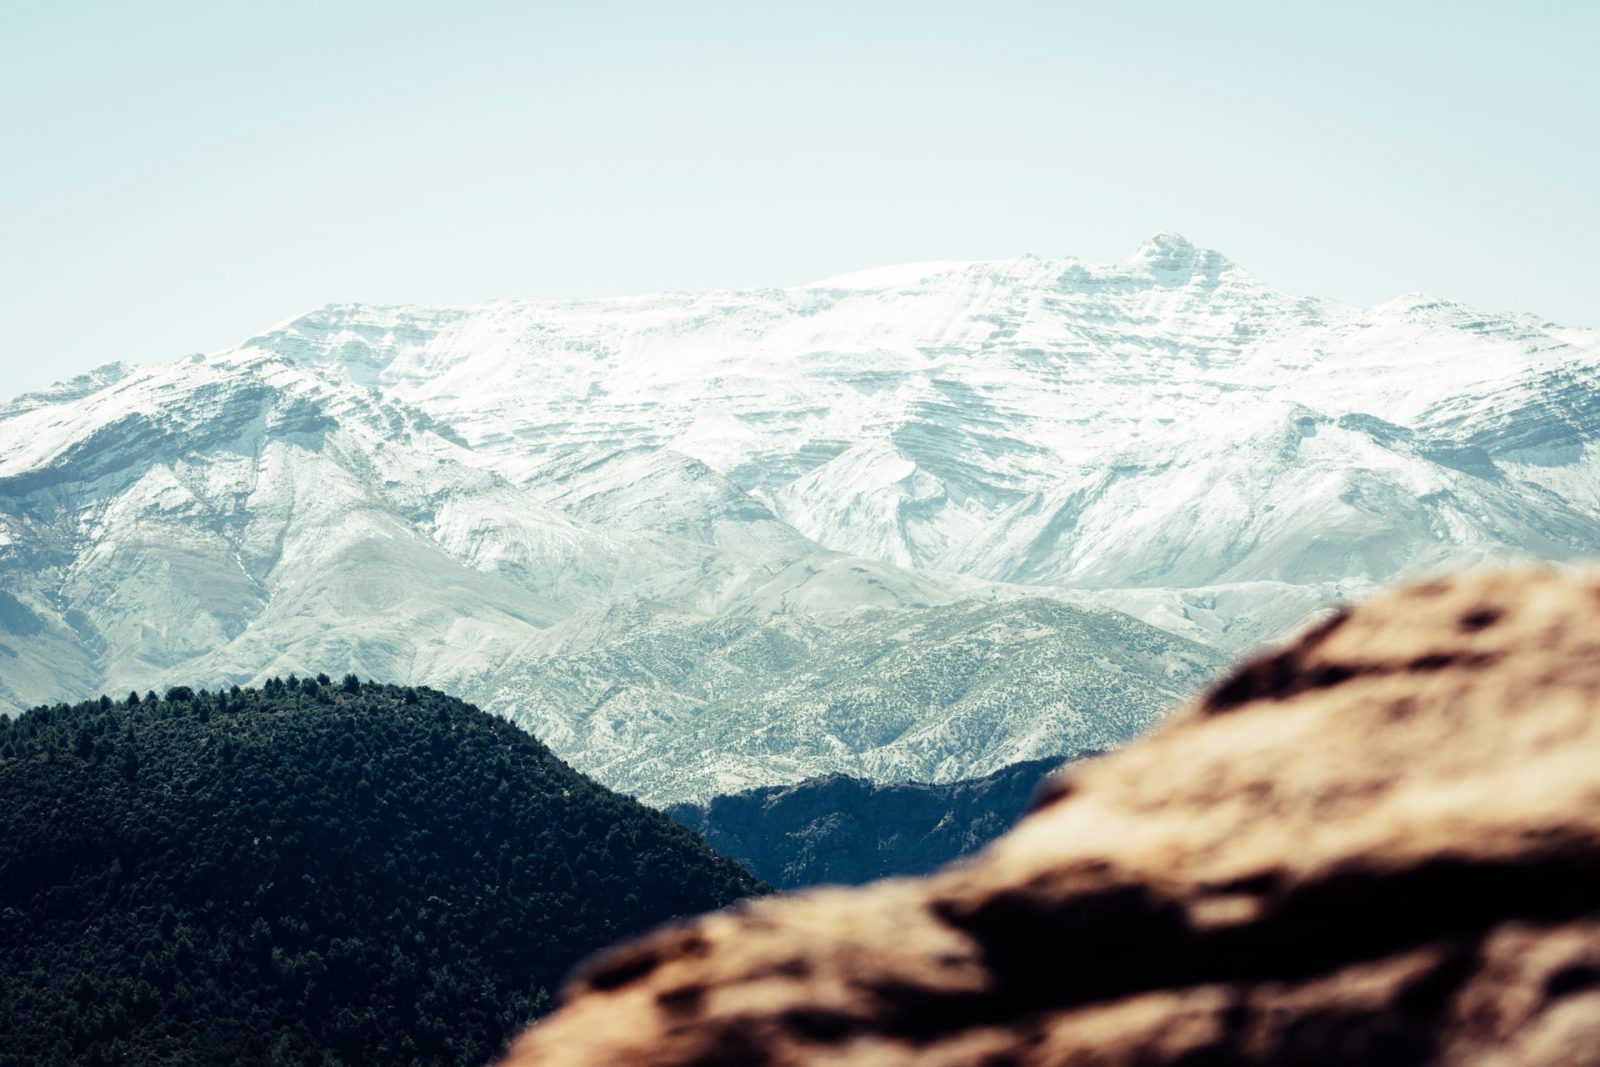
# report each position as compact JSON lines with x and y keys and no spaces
{"x":461,"y":496}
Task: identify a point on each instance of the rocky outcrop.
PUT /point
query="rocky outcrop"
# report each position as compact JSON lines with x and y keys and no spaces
{"x":1379,"y":845}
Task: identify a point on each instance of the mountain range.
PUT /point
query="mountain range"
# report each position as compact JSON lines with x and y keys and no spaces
{"x":918,"y":523}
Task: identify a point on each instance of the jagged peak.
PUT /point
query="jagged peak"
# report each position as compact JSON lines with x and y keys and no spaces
{"x":1171,"y":253}
{"x":1167,"y":243}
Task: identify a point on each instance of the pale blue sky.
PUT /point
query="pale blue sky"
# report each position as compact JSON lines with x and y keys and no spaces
{"x":177,"y":176}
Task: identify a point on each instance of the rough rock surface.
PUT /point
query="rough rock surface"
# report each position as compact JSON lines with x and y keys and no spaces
{"x":1379,"y":845}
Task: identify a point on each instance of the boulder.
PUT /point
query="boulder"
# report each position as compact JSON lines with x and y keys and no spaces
{"x":1379,"y":845}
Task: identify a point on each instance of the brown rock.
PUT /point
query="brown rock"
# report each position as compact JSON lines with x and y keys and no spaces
{"x":1380,"y":845}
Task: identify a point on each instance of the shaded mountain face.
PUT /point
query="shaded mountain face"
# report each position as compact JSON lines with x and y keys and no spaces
{"x":309,"y":873}
{"x":848,"y":831}
{"x":688,"y":537}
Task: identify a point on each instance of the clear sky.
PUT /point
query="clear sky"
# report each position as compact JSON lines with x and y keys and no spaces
{"x":177,"y":176}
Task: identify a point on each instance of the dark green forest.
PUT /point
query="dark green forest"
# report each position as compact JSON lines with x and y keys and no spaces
{"x":846,"y":830}
{"x":309,"y":873}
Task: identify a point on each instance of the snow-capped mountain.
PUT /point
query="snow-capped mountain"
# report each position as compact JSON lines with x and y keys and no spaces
{"x":1169,"y":420}
{"x":701,"y":541}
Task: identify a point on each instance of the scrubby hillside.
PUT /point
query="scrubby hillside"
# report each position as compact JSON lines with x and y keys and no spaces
{"x":309,"y":873}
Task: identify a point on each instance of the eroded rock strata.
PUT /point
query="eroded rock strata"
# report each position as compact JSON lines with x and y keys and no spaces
{"x":1378,"y":845}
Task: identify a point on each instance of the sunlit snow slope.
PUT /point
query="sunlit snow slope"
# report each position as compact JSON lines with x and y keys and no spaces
{"x":701,"y":541}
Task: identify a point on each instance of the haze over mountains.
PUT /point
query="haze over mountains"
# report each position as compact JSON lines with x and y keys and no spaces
{"x":886,"y":525}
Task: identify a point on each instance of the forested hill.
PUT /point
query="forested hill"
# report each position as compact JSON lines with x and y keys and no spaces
{"x":312,"y":872}
{"x":847,"y":830}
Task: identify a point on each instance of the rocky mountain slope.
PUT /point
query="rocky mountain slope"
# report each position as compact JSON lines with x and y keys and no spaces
{"x":708,"y":541}
{"x":839,"y":830}
{"x":1376,"y":847}
{"x":678,"y":707}
{"x":244,"y":516}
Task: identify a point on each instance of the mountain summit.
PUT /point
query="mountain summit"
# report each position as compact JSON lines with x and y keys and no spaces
{"x":1172,"y":252}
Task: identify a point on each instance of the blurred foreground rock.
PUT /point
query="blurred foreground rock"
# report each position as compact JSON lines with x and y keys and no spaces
{"x":1380,"y":845}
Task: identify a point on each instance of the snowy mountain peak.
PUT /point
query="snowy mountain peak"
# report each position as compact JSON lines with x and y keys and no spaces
{"x":1166,"y":245}
{"x":1172,"y":258}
